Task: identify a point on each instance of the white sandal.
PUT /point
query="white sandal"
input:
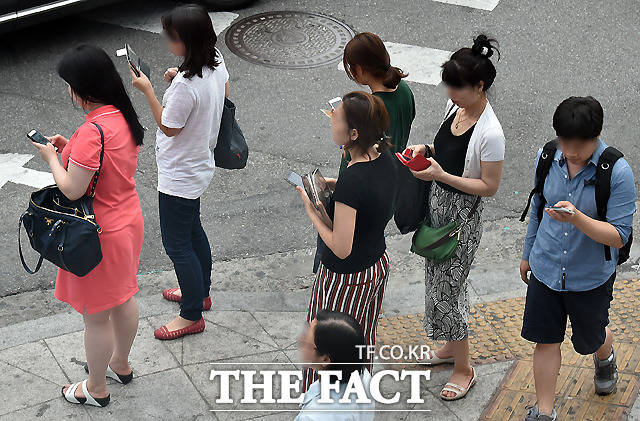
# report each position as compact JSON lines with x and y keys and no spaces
{"x":459,"y":391}
{"x":70,"y":396}
{"x":433,"y":359}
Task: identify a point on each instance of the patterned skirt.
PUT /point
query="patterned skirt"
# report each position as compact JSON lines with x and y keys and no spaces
{"x":446,"y":310}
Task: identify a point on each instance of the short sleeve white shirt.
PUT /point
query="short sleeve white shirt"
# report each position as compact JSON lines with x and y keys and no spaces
{"x":185,"y":161}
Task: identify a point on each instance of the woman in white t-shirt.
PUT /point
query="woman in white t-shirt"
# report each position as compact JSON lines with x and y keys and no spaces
{"x":188,"y":123}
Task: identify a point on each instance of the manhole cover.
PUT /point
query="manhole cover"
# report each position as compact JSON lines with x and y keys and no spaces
{"x":289,"y":40}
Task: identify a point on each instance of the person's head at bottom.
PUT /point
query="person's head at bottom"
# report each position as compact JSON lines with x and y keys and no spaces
{"x":333,"y":341}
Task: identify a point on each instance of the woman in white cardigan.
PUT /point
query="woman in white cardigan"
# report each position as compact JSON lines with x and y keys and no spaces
{"x":468,"y":153}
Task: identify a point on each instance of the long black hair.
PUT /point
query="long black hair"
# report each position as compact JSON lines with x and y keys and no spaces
{"x":192,"y":25}
{"x":470,"y":66}
{"x":340,"y":336}
{"x":93,"y":77}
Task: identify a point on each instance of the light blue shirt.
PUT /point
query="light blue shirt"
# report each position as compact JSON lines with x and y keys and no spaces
{"x":350,"y":411}
{"x":555,"y":249}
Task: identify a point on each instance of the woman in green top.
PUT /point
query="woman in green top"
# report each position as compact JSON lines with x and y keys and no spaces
{"x":367,"y":62}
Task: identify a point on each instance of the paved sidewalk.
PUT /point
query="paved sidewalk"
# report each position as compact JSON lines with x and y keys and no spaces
{"x":257,"y":326}
{"x":172,"y":378}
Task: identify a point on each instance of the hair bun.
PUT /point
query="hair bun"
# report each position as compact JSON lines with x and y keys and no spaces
{"x":482,"y":45}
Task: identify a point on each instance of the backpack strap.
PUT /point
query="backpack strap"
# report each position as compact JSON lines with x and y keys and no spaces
{"x":542,"y":170}
{"x":604,"y":171}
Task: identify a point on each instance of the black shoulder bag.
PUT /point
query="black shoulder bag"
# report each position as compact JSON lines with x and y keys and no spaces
{"x":231,"y":151}
{"x":63,"y":231}
{"x":412,"y":199}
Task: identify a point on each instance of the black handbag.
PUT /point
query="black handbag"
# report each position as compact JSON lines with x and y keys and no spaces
{"x":64,"y":232}
{"x":412,"y":200}
{"x":231,"y":151}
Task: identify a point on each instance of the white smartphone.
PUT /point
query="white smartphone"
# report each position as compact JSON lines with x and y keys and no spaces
{"x":295,"y":180}
{"x":335,"y":102}
{"x":559,"y":209}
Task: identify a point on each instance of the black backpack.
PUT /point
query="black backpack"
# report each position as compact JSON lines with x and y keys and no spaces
{"x":602,"y":184}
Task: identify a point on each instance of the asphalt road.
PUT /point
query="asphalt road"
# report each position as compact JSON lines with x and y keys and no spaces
{"x":550,"y":50}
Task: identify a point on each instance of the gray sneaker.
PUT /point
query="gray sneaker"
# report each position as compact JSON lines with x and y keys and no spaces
{"x":605,"y":378}
{"x":535,"y":415}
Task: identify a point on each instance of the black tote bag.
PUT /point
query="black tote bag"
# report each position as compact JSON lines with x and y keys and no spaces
{"x":412,"y":201}
{"x":231,"y":151}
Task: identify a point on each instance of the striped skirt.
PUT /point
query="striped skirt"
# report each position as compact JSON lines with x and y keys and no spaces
{"x":358,"y":294}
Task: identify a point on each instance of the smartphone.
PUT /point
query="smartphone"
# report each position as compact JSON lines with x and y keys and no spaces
{"x":295,"y":180}
{"x":35,"y":136}
{"x":565,"y":210}
{"x":136,"y":64}
{"x":335,"y":102}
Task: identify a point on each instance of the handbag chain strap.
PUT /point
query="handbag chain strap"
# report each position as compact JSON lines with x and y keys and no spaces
{"x":95,"y":178}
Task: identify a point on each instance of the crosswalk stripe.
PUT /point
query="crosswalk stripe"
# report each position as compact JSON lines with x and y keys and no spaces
{"x":476,"y":4}
{"x":422,"y":63}
{"x":11,"y":169}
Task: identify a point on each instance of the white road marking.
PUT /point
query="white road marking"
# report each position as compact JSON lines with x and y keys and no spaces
{"x":146,"y":16}
{"x":422,"y":63}
{"x":476,"y":4}
{"x":11,"y":169}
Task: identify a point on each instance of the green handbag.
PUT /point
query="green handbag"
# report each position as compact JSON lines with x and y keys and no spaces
{"x":439,"y":244}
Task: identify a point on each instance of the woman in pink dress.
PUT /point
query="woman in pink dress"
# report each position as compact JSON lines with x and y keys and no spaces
{"x":105,"y":297}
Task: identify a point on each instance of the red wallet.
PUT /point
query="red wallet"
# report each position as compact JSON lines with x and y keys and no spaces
{"x":415,"y":163}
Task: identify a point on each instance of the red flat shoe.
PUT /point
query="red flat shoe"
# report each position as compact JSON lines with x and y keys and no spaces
{"x":170,"y":294}
{"x":166,"y":335}
{"x":206,"y":303}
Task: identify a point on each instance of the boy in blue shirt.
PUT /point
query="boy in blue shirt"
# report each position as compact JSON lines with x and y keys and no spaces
{"x":572,"y":254}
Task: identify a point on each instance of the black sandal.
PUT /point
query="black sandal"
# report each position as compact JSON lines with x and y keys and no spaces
{"x":120,"y":378}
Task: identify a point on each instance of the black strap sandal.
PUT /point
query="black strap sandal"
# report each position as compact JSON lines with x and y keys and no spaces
{"x":70,"y":396}
{"x":120,"y":378}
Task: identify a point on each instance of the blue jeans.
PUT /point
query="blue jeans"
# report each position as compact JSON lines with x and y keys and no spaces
{"x":187,"y":246}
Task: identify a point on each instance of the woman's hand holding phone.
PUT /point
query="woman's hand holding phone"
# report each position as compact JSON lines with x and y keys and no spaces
{"x":418,"y":149}
{"x":331,"y":182}
{"x":58,"y":141}
{"x":47,"y":152}
{"x":141,"y":82}
{"x":434,"y":172}
{"x":319,"y":212}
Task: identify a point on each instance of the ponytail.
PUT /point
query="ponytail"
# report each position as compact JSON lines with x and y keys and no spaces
{"x":384,"y":143}
{"x":367,"y":51}
{"x":393,"y":77}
